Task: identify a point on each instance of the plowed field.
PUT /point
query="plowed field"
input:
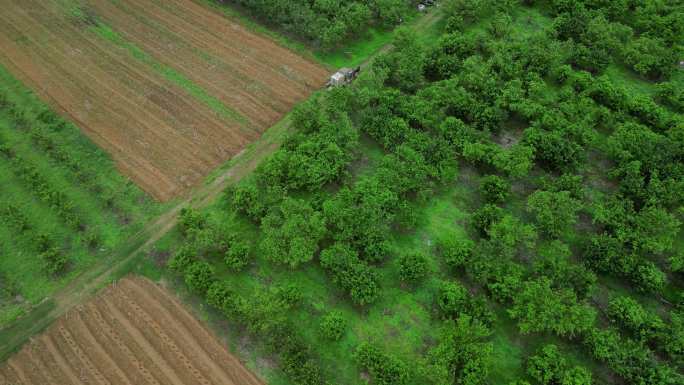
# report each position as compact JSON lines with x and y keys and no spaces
{"x":168,"y":87}
{"x":134,"y":333}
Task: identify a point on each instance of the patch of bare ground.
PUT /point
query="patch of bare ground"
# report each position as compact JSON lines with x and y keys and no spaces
{"x":508,"y":138}
{"x":132,"y":333}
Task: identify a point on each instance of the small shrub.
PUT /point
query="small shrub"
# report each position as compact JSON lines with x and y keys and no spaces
{"x":182,"y":259}
{"x":92,"y":239}
{"x":413,"y":267}
{"x":494,"y":189}
{"x":333,"y":325}
{"x":198,"y":276}
{"x":484,"y":217}
{"x":191,"y":219}
{"x":55,"y":261}
{"x":237,"y":255}
{"x":383,"y":368}
{"x":456,"y":252}
{"x":452,"y":299}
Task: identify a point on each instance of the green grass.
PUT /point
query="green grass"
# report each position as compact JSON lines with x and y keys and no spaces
{"x":364,"y":47}
{"x":40,"y":311}
{"x":358,"y":51}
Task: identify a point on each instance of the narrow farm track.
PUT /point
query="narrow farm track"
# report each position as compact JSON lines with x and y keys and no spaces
{"x":169,"y":96}
{"x":77,"y":349}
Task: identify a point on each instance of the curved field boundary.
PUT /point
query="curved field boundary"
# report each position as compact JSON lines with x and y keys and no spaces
{"x":134,"y":332}
{"x":170,"y":89}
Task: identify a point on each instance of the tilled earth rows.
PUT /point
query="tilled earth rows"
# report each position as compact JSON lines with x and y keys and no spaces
{"x":134,"y":333}
{"x":162,"y":135}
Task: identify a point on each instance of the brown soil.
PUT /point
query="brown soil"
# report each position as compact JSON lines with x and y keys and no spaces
{"x":161,"y":136}
{"x":134,"y":332}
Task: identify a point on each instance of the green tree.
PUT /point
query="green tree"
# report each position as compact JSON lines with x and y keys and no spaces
{"x":452,"y":299}
{"x":554,"y":262}
{"x":553,"y":150}
{"x":668,"y":94}
{"x":333,"y":325}
{"x":674,"y":337}
{"x":191,"y":220}
{"x":385,"y":369}
{"x":182,"y":258}
{"x":604,"y":253}
{"x":677,"y":262}
{"x":540,"y":308}
{"x":351,"y":273}
{"x":361,"y":215}
{"x":649,"y":278}
{"x":656,"y":229}
{"x":549,"y":367}
{"x":455,"y":252}
{"x":494,"y":189}
{"x":406,"y":63}
{"x":510,"y":235}
{"x":485,"y":216}
{"x":237,"y":255}
{"x":516,"y":161}
{"x":629,"y":314}
{"x":199,"y":276}
{"x":650,"y":57}
{"x":413,"y":267}
{"x":577,"y":375}
{"x":555,"y":212}
{"x":291,"y":232}
{"x":463,"y":355}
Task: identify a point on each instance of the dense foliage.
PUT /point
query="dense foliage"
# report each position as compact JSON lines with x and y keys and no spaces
{"x":553,"y":130}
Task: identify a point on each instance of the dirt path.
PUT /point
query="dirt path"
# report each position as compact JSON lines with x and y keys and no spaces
{"x":89,"y":282}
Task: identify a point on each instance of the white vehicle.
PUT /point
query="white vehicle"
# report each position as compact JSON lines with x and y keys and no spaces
{"x":343,"y":77}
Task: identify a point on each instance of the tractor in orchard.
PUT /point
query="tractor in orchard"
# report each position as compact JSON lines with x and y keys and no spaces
{"x":343,"y":77}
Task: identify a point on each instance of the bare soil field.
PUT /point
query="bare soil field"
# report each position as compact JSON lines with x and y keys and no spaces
{"x":134,"y":333}
{"x":169,"y":88}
